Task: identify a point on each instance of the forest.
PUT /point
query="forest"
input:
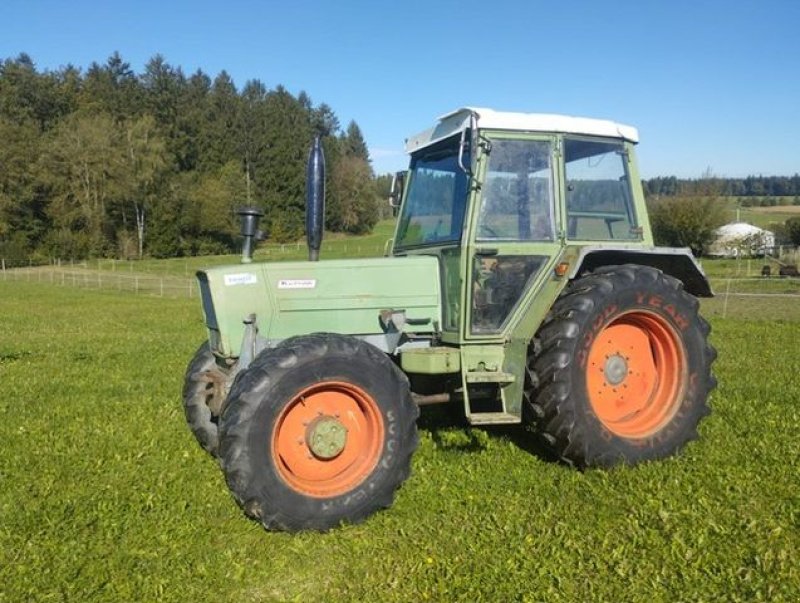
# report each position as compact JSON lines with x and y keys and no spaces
{"x":755,"y":190}
{"x":105,"y":162}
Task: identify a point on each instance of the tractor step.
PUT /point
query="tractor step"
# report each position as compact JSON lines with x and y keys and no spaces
{"x":489,"y":377}
{"x":493,"y":418}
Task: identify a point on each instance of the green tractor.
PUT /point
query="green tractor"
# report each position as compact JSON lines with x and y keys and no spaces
{"x":522,"y":285}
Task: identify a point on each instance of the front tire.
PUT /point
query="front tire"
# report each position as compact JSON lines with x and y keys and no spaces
{"x":317,"y":431}
{"x":624,"y":370}
{"x":203,"y":386}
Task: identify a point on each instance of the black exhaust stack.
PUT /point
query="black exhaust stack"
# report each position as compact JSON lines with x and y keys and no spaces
{"x":250,"y":217}
{"x":315,"y":199}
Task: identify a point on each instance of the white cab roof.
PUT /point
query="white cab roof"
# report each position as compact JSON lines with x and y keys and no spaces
{"x":488,"y":119}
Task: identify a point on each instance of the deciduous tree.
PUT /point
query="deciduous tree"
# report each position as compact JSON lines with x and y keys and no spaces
{"x":686,"y":221}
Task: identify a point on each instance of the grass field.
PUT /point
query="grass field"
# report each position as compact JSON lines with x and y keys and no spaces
{"x":763,"y":217}
{"x":105,"y":496}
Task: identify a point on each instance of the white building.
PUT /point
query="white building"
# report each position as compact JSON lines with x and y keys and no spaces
{"x":740,"y":238}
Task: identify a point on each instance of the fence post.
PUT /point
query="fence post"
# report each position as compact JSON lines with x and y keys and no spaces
{"x":725,"y":303}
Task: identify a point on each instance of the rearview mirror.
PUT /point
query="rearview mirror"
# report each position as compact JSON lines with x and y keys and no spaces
{"x":396,"y":192}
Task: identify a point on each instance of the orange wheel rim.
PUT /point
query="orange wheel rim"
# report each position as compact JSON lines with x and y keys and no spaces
{"x":636,"y":374}
{"x":328,"y":439}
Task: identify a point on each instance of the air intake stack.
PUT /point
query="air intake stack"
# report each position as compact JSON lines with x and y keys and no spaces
{"x":250,"y":217}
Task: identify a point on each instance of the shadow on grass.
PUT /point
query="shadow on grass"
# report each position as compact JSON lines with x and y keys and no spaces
{"x":450,"y":431}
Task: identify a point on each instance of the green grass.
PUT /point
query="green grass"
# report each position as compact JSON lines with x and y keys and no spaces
{"x":334,"y":246}
{"x":762,"y":217}
{"x":105,"y":496}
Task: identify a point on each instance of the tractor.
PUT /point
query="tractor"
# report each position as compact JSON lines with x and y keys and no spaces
{"x":522,"y":285}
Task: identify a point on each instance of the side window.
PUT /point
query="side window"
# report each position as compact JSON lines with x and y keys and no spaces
{"x":517,"y":192}
{"x":598,"y":194}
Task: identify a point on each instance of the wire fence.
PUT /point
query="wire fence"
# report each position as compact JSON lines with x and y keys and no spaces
{"x":187,"y":266}
{"x":754,"y":298}
{"x":748,"y":298}
{"x":161,"y":286}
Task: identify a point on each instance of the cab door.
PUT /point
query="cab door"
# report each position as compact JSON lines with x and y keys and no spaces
{"x":514,"y":240}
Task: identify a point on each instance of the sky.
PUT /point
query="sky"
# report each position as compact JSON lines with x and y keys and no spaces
{"x":710,"y":84}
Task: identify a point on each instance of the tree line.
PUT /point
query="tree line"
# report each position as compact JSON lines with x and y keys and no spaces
{"x":751,"y":186}
{"x":110,"y":163}
{"x":690,"y":217}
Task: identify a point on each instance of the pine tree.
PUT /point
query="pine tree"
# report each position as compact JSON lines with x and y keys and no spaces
{"x":353,"y":142}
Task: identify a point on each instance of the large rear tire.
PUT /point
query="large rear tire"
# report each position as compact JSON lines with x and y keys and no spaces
{"x":317,"y":431}
{"x":623,"y":372}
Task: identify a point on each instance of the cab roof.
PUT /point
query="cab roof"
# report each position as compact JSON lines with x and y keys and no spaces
{"x":488,"y":119}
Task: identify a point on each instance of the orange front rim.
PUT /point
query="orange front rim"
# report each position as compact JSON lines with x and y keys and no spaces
{"x":636,"y":374}
{"x":328,"y":439}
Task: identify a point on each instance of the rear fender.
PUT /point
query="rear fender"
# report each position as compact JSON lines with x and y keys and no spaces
{"x":676,"y":262}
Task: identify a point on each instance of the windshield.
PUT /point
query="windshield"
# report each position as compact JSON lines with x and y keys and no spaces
{"x":433,"y":212}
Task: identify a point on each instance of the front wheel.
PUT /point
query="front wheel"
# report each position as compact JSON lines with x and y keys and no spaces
{"x":623,"y":372}
{"x":317,"y":431}
{"x":203,"y":393}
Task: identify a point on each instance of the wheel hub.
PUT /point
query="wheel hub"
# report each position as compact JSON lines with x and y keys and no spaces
{"x":616,"y":369}
{"x":326,"y":437}
{"x":636,"y":373}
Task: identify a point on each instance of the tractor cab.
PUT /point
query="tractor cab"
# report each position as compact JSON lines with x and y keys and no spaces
{"x":502,"y":198}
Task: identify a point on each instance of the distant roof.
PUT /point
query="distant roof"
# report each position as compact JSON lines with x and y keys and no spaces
{"x":456,"y":121}
{"x":739,"y":229}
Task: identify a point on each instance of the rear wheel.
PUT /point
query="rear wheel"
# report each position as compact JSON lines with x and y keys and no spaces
{"x":624,"y":370}
{"x":317,"y":431}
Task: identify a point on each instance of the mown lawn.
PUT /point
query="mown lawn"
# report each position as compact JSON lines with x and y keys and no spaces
{"x":104,"y":495}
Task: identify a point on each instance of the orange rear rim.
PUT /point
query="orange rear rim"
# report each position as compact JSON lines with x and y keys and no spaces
{"x":328,"y":439}
{"x":636,"y":374}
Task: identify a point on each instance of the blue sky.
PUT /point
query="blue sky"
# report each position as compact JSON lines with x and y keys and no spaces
{"x":710,"y":84}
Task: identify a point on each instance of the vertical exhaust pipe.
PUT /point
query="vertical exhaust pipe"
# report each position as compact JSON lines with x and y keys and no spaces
{"x":315,"y":199}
